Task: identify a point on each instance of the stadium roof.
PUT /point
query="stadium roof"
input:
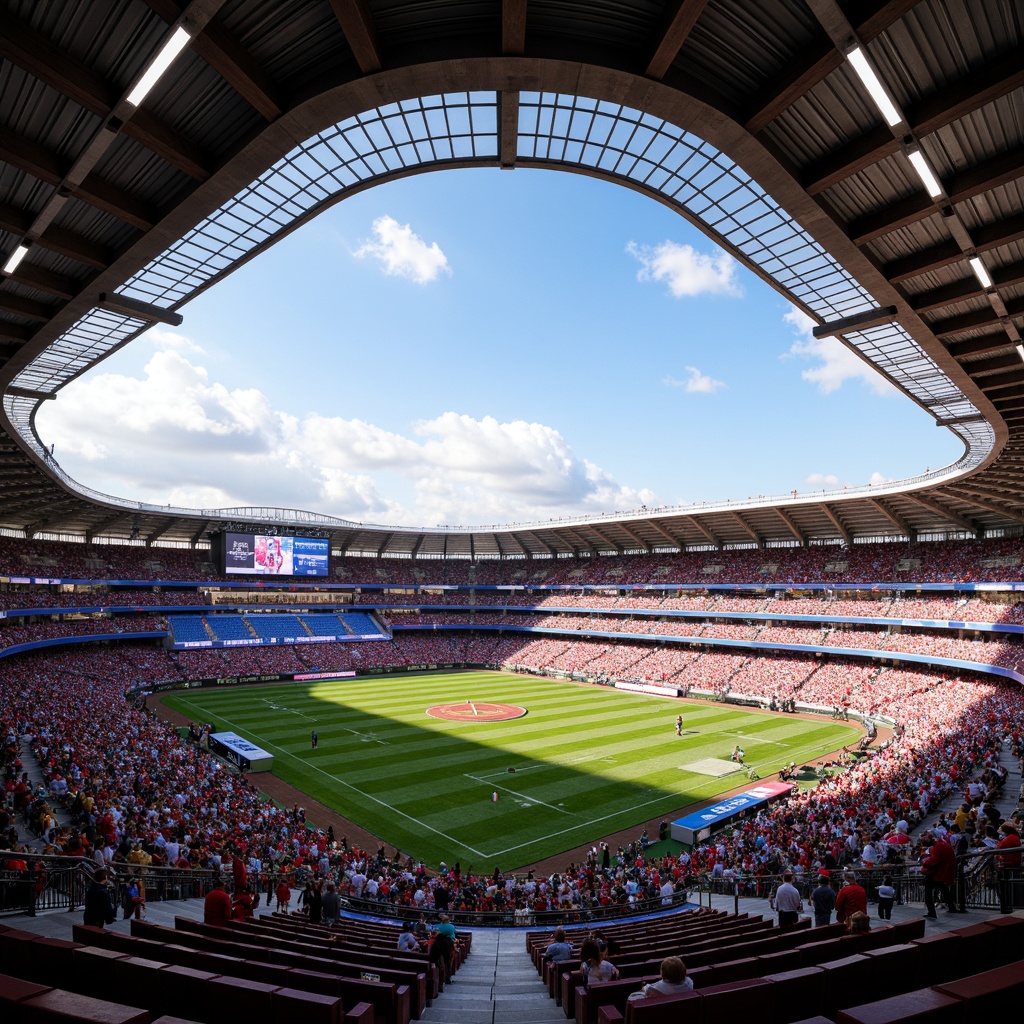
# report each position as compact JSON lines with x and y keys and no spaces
{"x":749,"y":117}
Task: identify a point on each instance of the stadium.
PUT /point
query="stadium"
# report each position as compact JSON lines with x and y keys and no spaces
{"x":826,"y":684}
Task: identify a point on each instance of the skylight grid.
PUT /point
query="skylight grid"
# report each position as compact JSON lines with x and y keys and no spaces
{"x":693,"y":174}
{"x":369,"y":145}
{"x":577,"y":131}
{"x":92,"y":337}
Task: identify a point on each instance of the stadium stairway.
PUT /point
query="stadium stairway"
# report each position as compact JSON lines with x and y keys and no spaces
{"x":30,"y":764}
{"x":498,"y":984}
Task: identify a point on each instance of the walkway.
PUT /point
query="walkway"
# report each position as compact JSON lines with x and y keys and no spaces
{"x":498,"y":984}
{"x":30,"y":765}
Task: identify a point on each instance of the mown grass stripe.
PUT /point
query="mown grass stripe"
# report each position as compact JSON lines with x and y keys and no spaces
{"x":595,"y":759}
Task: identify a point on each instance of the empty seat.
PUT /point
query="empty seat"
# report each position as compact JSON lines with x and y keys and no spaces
{"x":988,"y":992}
{"x":921,"y":1005}
{"x":798,"y":993}
{"x":58,"y":1006}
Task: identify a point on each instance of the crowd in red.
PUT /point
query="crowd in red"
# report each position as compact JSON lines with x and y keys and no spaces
{"x":896,"y":562}
{"x":170,"y":798}
{"x":149,"y":788}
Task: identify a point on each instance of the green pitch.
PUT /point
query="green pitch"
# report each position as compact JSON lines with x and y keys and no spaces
{"x":588,"y":760}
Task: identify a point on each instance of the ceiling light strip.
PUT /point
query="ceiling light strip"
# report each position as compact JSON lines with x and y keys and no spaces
{"x":169,"y":52}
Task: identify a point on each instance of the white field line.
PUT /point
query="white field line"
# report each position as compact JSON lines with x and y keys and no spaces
{"x":348,"y":785}
{"x":582,"y":824}
{"x":514,"y":792}
{"x":281,"y":707}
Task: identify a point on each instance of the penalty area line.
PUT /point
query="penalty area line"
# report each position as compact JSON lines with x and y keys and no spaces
{"x":355,"y":789}
{"x":516,"y":793}
{"x":573,"y":828}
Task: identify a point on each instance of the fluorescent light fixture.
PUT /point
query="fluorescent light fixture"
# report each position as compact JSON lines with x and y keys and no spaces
{"x":925,"y":173}
{"x":874,"y":87}
{"x":1020,"y":350}
{"x":15,"y":258}
{"x":980,"y":272}
{"x":161,"y":62}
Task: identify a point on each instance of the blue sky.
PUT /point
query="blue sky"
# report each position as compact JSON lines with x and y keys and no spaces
{"x":478,"y":347}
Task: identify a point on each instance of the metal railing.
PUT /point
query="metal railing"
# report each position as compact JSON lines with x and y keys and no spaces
{"x":511,"y":918}
{"x":982,"y":883}
{"x":49,"y":883}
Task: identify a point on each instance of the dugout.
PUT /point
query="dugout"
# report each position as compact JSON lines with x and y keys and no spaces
{"x":237,"y":750}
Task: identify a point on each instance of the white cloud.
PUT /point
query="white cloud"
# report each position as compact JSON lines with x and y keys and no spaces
{"x":686,"y":271}
{"x":696,"y":383}
{"x":161,"y":338}
{"x":404,"y":254}
{"x":831,"y":480}
{"x":173,"y":435}
{"x":823,"y":480}
{"x":836,"y":364}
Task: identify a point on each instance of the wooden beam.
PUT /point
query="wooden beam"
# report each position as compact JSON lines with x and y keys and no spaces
{"x":508,"y":126}
{"x":818,"y":58}
{"x":356,"y":22}
{"x":991,"y":236}
{"x":940,"y":509}
{"x":27,"y":308}
{"x":948,"y":104}
{"x":617,"y":548}
{"x":14,"y":332}
{"x":674,"y":541}
{"x":894,"y":517}
{"x":833,"y":518}
{"x":700,"y":527}
{"x":41,"y":58}
{"x":44,"y":280}
{"x":998,"y":381}
{"x":1008,"y":361}
{"x":139,"y":310}
{"x":226,"y":55}
{"x":748,"y":528}
{"x":974,"y":319}
{"x":982,"y":503}
{"x":984,"y":177}
{"x":676,"y":25}
{"x":791,"y":525}
{"x":513,"y":28}
{"x":946,"y":295}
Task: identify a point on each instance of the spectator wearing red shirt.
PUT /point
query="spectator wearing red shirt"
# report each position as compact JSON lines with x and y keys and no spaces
{"x":939,"y":867}
{"x":217,"y":906}
{"x":851,"y":898}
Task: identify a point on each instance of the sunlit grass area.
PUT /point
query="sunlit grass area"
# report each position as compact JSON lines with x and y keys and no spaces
{"x":584,"y":761}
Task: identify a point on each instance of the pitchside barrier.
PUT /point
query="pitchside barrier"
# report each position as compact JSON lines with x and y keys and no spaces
{"x":49,"y":883}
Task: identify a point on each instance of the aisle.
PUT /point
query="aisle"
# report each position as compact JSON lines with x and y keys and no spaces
{"x":498,"y":984}
{"x":30,"y":765}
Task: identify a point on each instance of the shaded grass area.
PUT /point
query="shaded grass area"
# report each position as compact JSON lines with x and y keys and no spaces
{"x":584,"y":762}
